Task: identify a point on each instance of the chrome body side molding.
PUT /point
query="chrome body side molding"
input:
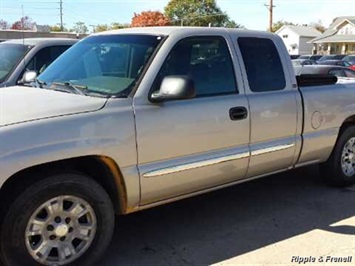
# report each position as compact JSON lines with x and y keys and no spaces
{"x":194,"y":165}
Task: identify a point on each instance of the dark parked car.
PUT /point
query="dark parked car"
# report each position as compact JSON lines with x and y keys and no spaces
{"x":332,"y":57}
{"x":294,"y":56}
{"x":314,"y":57}
{"x":18,"y":56}
{"x":337,"y":71}
{"x":303,"y":62}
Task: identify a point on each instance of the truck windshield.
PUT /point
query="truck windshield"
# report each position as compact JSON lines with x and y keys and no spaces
{"x":10,"y":55}
{"x":103,"y":64}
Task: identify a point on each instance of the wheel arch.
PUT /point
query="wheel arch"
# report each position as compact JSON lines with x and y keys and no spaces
{"x":350,"y":121}
{"x":102,"y":169}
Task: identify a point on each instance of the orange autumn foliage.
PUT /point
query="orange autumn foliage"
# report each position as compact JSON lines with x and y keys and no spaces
{"x":149,"y":18}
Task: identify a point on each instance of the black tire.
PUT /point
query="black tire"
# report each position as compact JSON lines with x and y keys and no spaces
{"x":13,"y":249}
{"x":332,"y":170}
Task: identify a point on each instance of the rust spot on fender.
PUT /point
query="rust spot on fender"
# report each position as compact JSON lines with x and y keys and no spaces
{"x":120,"y":184}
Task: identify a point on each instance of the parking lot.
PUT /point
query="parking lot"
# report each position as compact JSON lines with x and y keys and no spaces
{"x":264,"y":222}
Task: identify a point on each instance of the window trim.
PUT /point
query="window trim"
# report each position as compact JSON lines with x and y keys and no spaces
{"x":222,"y":38}
{"x":146,"y":67}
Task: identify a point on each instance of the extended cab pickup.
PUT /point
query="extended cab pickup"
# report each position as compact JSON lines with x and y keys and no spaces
{"x":130,"y":119}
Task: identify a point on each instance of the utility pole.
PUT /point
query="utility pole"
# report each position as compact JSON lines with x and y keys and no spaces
{"x":270,"y":7}
{"x":61,"y":15}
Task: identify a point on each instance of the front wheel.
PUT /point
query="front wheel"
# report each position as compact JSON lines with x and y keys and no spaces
{"x":340,"y":168}
{"x":65,"y":219}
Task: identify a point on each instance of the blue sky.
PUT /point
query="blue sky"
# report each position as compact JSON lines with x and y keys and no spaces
{"x":250,"y":13}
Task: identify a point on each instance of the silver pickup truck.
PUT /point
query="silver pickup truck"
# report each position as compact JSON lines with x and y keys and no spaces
{"x":131,"y":119}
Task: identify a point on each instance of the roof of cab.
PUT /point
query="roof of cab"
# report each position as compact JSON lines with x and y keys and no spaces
{"x":36,"y":41}
{"x":142,"y":30}
{"x":176,"y":29}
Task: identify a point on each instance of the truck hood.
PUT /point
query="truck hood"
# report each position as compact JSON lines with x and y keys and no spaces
{"x":21,"y":104}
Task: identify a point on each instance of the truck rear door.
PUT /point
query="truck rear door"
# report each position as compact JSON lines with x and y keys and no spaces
{"x":275,"y":104}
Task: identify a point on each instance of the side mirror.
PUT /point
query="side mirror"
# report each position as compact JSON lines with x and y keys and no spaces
{"x":174,"y":88}
{"x":28,"y":77}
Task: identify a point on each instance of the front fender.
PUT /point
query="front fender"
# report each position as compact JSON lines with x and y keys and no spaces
{"x":108,"y":132}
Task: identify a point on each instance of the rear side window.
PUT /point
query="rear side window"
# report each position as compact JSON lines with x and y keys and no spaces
{"x":263,"y":64}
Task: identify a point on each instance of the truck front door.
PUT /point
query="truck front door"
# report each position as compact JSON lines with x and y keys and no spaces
{"x":189,"y":145}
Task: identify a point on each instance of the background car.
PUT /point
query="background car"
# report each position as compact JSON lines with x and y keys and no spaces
{"x":294,"y":56}
{"x":18,"y":56}
{"x":338,"y":71}
{"x":337,"y":63}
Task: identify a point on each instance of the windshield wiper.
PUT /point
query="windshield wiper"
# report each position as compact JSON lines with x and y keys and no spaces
{"x":66,"y":86}
{"x":40,"y":83}
{"x":69,"y":87}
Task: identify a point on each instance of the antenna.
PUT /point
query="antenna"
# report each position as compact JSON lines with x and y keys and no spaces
{"x":23,"y":34}
{"x":22,"y":26}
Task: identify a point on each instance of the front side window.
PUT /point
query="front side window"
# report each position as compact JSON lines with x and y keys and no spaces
{"x":104,"y":64}
{"x":262,"y":63}
{"x":10,"y":56}
{"x":206,"y":60}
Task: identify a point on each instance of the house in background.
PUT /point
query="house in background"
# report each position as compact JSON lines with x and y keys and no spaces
{"x":41,"y":28}
{"x":339,"y":38}
{"x":297,"y":38}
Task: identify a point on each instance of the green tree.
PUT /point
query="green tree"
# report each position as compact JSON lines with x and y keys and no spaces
{"x":56,"y":28}
{"x":101,"y":27}
{"x":233,"y":24}
{"x":80,"y":27}
{"x":196,"y":13}
{"x":278,"y":25}
{"x":117,"y":26}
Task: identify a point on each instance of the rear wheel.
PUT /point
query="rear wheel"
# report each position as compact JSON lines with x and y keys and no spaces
{"x":340,"y":168}
{"x":61,"y":220}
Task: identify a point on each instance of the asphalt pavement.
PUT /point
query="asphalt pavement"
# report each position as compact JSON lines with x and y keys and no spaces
{"x":286,"y":219}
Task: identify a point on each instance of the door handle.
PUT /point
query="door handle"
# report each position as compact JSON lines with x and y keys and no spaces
{"x":238,"y":113}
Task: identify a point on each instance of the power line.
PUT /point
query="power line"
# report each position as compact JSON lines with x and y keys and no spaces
{"x":28,"y":7}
